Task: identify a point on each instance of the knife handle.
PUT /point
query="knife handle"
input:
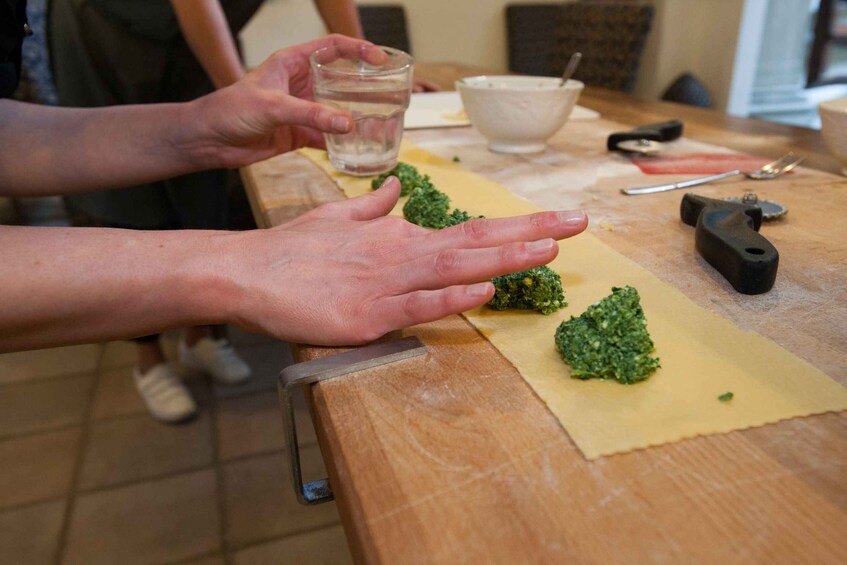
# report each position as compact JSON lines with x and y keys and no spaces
{"x":726,"y":235}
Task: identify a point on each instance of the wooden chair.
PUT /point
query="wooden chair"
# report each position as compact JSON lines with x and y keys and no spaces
{"x":531,"y":33}
{"x":385,"y":25}
{"x":611,"y":37}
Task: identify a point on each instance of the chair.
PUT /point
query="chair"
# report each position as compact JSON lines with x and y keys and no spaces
{"x":531,"y":33}
{"x":385,"y":25}
{"x":611,"y":37}
{"x":686,"y":89}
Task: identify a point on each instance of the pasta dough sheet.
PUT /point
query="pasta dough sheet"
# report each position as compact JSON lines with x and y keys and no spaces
{"x":702,"y":354}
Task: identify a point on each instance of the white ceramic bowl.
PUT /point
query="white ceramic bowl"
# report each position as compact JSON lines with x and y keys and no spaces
{"x":834,"y":128}
{"x":518,"y":114}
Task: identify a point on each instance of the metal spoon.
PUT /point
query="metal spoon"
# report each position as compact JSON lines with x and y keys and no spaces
{"x":573,"y":63}
{"x":769,"y":171}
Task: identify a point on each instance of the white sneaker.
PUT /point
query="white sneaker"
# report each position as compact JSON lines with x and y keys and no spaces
{"x":217,"y":358}
{"x":164,"y":393}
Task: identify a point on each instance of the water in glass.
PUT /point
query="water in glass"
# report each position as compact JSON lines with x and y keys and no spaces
{"x":372,"y":146}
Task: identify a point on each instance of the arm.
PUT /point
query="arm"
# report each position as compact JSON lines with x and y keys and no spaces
{"x":204,"y":25}
{"x":46,"y":150}
{"x":340,"y":16}
{"x":299,"y":281}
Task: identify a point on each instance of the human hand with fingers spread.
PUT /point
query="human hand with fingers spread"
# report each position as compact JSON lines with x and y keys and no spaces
{"x":345,"y":273}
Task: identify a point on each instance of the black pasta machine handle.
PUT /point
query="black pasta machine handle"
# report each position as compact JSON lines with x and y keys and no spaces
{"x":727,"y":236}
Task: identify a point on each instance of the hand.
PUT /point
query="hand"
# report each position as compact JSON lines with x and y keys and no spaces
{"x":271,"y":110}
{"x":345,"y":273}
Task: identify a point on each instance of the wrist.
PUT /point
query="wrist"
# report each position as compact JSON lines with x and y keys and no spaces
{"x":195,"y":139}
{"x":207,"y":290}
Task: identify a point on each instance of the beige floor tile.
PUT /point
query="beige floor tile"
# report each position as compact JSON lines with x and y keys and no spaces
{"x":116,"y":394}
{"x":159,"y":521}
{"x":30,"y":535}
{"x":45,"y":363}
{"x":260,"y":503}
{"x":44,"y":405}
{"x":37,"y":467}
{"x":139,"y":447}
{"x":250,"y":425}
{"x":266,"y":361}
{"x":321,"y":547}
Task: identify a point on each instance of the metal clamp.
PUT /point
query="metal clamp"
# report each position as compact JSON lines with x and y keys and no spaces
{"x":301,"y":375}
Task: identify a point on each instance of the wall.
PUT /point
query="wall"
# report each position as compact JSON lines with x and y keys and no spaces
{"x":472,"y":32}
{"x":695,"y":36}
{"x":699,"y":36}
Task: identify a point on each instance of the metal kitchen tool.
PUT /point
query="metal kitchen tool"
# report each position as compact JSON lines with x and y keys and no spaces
{"x":767,"y":172}
{"x":770,"y":210}
{"x":301,"y":375}
{"x":727,"y":236}
{"x":573,"y":63}
{"x":645,"y":139}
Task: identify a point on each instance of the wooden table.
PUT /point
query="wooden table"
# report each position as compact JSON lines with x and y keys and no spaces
{"x":451,"y":458}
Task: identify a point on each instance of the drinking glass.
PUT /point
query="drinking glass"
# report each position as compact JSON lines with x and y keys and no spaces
{"x":376,"y":95}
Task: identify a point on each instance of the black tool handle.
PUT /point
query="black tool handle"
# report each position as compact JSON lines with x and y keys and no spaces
{"x":660,"y":131}
{"x":726,"y":235}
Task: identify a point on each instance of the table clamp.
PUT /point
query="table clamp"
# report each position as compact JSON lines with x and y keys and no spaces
{"x":302,"y":375}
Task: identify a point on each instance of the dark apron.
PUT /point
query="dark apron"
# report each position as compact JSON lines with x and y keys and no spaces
{"x":112,"y":52}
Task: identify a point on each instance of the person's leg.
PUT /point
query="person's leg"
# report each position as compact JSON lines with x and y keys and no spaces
{"x":149,"y":351}
{"x":203,"y":349}
{"x":163,"y":392}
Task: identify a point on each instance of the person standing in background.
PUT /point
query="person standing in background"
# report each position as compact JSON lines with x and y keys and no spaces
{"x":113,"y":52}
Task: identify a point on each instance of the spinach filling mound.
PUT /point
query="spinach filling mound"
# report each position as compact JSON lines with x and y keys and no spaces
{"x":538,"y":289}
{"x":609,"y":340}
{"x":408,"y":176}
{"x":427,"y":206}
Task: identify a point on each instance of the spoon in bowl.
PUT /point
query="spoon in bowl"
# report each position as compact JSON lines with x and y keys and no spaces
{"x":573,"y":63}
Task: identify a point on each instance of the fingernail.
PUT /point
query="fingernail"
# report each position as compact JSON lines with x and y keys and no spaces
{"x":571,"y":217}
{"x":386,"y":181}
{"x":479,"y":289}
{"x":540,"y":246}
{"x":340,"y":124}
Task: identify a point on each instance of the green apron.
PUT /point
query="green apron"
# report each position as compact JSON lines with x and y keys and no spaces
{"x":112,"y":52}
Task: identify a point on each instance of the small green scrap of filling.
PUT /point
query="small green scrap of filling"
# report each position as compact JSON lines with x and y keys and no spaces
{"x":538,"y":289}
{"x":427,"y":206}
{"x":408,"y":176}
{"x":609,"y":340}
{"x":726,"y":397}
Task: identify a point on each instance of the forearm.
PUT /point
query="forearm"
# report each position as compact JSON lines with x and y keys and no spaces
{"x":207,"y":33}
{"x":46,"y":150}
{"x":340,"y":16}
{"x":74,"y":285}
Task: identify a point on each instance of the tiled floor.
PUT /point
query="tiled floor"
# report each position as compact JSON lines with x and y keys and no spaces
{"x":87,"y":477}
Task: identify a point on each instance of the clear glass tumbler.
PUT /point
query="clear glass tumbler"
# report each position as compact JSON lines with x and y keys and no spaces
{"x":376,"y":95}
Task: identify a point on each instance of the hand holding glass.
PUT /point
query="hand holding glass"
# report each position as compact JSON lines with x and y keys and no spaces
{"x":376,"y":95}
